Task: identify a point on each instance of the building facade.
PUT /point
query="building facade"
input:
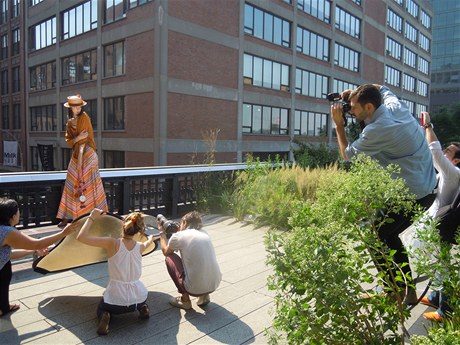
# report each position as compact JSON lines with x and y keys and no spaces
{"x":445,"y":75}
{"x":169,"y":81}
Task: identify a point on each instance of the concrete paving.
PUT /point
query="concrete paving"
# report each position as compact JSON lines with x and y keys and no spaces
{"x":59,"y":308}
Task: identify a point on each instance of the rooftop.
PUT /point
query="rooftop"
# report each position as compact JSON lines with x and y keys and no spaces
{"x":60,"y":308}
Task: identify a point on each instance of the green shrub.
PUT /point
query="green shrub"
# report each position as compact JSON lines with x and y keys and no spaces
{"x":322,"y":268}
{"x":268,"y":193}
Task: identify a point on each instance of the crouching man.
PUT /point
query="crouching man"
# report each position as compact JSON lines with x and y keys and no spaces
{"x":196,"y":271}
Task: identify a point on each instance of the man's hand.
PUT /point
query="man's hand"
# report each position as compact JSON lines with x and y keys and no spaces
{"x":426,"y":117}
{"x":337,"y":114}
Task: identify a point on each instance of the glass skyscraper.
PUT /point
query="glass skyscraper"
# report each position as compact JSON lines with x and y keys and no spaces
{"x":445,"y":71}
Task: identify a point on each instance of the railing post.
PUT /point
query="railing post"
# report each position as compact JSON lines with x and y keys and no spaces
{"x":125,"y":207}
{"x":175,"y":196}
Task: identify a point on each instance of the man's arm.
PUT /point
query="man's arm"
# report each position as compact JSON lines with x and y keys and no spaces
{"x":336,"y":113}
{"x":164,"y":244}
{"x":429,"y":132}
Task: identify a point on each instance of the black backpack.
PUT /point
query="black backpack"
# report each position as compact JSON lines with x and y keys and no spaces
{"x":449,"y":220}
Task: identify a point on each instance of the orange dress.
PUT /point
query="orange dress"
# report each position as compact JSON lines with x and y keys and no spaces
{"x":84,"y":180}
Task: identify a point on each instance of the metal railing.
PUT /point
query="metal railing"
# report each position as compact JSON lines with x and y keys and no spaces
{"x":167,"y":190}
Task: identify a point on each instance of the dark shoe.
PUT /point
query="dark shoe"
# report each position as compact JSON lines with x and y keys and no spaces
{"x":144,"y":312}
{"x":103,"y":328}
{"x":13,"y":308}
{"x":411,"y":297}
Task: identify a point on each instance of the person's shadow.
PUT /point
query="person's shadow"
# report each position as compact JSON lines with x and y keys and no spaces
{"x":77,"y":315}
{"x":220,"y":324}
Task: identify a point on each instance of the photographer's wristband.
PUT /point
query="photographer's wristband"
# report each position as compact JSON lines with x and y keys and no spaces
{"x":428,"y":125}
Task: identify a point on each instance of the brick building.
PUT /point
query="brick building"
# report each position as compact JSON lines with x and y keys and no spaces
{"x":163,"y":77}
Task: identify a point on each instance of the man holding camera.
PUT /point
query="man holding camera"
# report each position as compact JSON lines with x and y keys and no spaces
{"x":392,"y":136}
{"x":196,"y":271}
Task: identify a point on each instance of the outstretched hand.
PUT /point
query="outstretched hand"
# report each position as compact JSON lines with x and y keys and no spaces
{"x":69,"y":228}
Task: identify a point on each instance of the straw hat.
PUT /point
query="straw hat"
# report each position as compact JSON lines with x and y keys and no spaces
{"x":74,"y":101}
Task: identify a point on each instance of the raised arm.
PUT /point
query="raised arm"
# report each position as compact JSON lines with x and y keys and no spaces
{"x":84,"y":236}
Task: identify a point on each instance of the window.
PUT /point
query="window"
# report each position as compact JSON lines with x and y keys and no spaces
{"x":33,"y":3}
{"x":393,"y":48}
{"x":114,"y":113}
{"x":410,"y":105}
{"x":43,"y":118}
{"x":425,"y":19}
{"x":80,"y":19}
{"x":114,"y":59}
{"x":43,"y":77}
{"x":4,"y":81}
{"x":399,"y":2}
{"x":43,"y":35}
{"x":312,"y":44}
{"x":16,"y":41}
{"x":412,"y":8}
{"x":3,"y":11}
{"x":320,"y":9}
{"x":4,"y":46}
{"x":267,"y":26}
{"x":346,"y":58}
{"x":5,"y":117}
{"x":425,"y":43}
{"x":66,"y":156}
{"x":419,"y":108}
{"x":260,"y":119}
{"x":266,"y":73}
{"x":410,"y":32}
{"x":392,"y":76}
{"x":114,"y":159}
{"x":114,"y":10}
{"x":410,"y":58}
{"x":423,"y":65}
{"x":422,"y":88}
{"x":408,"y":83}
{"x":15,"y":8}
{"x":135,"y":3}
{"x":347,"y":22}
{"x":16,"y":80}
{"x":36,"y":162}
{"x":340,"y":85}
{"x":79,"y":68}
{"x":90,"y":108}
{"x":311,"y":84}
{"x":310,"y":123}
{"x":16,"y":116}
{"x":394,"y":21}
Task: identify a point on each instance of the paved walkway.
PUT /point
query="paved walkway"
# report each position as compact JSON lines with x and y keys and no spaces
{"x":59,"y":308}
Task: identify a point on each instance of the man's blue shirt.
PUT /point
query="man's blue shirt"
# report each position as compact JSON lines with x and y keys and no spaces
{"x":394,"y":136}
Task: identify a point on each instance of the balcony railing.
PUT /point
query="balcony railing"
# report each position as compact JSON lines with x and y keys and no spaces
{"x":170,"y":191}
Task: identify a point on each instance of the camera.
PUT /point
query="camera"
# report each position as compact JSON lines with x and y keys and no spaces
{"x":169,"y":226}
{"x":336,"y":97}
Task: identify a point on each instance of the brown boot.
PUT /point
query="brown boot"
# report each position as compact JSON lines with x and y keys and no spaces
{"x":144,"y":312}
{"x":103,"y":328}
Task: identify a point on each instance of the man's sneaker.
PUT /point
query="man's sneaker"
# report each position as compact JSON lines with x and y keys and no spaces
{"x":203,"y":300}
{"x":103,"y":328}
{"x":144,"y":312}
{"x":427,"y":302}
{"x":177,"y":302}
{"x":433,"y":316}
